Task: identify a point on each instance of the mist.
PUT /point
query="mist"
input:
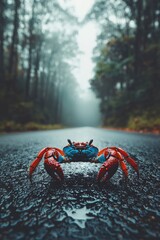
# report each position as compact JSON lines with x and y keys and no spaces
{"x":79,"y":63}
{"x":40,"y":70}
{"x":83,"y":111}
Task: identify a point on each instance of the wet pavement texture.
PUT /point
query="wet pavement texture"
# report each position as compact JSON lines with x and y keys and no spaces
{"x":79,"y":208}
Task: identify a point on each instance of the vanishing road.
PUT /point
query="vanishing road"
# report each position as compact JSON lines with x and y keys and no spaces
{"x":79,"y":208}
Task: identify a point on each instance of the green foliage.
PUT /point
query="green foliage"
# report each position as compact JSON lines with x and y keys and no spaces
{"x":11,"y":126}
{"x":32,"y":126}
{"x":145,"y":122}
{"x":22,"y":112}
{"x":35,"y":63}
{"x":127,"y":68}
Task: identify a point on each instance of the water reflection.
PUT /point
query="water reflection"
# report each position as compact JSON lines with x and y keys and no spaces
{"x":79,"y":215}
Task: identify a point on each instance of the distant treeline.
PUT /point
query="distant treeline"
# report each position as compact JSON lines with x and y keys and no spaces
{"x":127,"y":57}
{"x":36,"y":51}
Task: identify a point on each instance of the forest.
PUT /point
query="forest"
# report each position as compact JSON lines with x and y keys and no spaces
{"x":127,"y":62}
{"x":38,"y":52}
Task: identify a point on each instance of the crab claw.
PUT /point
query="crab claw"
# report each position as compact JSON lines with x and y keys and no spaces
{"x":107,"y":169}
{"x":53,"y":168}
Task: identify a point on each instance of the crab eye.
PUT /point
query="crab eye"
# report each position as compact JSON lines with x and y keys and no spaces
{"x":70,"y":141}
{"x":91,"y":141}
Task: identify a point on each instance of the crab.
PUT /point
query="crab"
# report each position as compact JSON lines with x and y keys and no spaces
{"x":110,"y":157}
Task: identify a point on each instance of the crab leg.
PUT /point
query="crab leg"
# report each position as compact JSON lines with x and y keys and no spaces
{"x":124,"y":168}
{"x":130,"y":160}
{"x":37,"y":160}
{"x":122,"y":163}
{"x":107,"y":169}
{"x":53,"y":168}
{"x":103,"y":151}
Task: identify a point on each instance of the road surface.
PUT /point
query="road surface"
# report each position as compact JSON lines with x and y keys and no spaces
{"x":79,"y":208}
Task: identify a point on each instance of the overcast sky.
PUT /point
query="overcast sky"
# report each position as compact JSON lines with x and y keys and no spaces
{"x":86,"y":39}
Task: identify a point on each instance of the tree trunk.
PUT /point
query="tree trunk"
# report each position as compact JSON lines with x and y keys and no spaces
{"x":36,"y":69}
{"x":49,"y":68}
{"x":138,"y":37}
{"x":28,"y":78}
{"x":2,"y":74}
{"x":13,"y":49}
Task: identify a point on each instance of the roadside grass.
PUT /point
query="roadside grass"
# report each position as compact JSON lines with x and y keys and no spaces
{"x":11,"y":126}
{"x":141,"y":124}
{"x":144,"y":123}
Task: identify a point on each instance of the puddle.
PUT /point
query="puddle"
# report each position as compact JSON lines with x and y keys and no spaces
{"x":80,"y":215}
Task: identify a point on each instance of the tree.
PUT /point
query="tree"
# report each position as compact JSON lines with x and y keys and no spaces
{"x":127,"y":58}
{"x":36,"y":50}
{"x":2,"y":20}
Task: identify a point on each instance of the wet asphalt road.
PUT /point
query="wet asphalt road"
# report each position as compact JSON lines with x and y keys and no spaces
{"x":79,"y":208}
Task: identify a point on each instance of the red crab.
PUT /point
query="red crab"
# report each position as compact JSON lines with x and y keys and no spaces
{"x":110,"y":157}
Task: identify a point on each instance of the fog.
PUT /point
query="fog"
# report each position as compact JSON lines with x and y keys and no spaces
{"x":83,"y":111}
{"x":56,"y":54}
{"x":85,"y":106}
{"x":46,"y":65}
